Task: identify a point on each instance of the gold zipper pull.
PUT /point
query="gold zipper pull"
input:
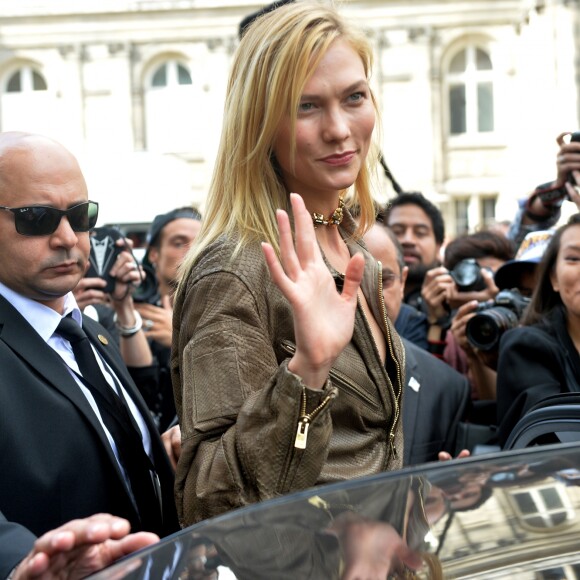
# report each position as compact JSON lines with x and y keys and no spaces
{"x":392,"y":443}
{"x":301,"y":433}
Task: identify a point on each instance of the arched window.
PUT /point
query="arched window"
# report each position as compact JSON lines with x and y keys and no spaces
{"x":170,"y":73}
{"x":25,"y":79}
{"x":27,"y":103}
{"x":470,"y":92}
{"x":173,"y":104}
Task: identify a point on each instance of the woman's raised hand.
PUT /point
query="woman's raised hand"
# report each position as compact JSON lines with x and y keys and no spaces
{"x":323,"y":317}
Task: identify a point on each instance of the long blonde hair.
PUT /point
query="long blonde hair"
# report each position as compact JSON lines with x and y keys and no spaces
{"x":272,"y":64}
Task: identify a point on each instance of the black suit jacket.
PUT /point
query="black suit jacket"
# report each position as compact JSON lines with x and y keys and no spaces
{"x":535,"y":362}
{"x":55,"y":461}
{"x":436,"y":399}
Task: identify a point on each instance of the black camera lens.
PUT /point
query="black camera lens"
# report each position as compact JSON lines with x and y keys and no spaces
{"x":467,"y":275}
{"x":485,"y":329}
{"x":147,"y":291}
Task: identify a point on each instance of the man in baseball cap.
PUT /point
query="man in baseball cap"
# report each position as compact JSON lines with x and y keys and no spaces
{"x":170,"y":236}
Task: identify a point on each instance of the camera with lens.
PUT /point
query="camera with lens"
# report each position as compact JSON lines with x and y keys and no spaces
{"x":148,"y":290}
{"x":485,"y":329}
{"x":467,"y":276}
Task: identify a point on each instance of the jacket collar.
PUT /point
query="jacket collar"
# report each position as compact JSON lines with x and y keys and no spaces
{"x":20,"y":337}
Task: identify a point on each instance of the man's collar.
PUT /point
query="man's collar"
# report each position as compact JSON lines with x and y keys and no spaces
{"x":41,"y":317}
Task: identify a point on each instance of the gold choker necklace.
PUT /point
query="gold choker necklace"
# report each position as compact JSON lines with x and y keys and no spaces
{"x":333,"y":219}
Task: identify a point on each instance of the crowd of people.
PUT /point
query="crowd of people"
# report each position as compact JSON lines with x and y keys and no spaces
{"x":294,"y":336}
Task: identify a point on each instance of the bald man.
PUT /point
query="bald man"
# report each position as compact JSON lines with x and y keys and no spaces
{"x":66,"y":433}
{"x":436,"y":395}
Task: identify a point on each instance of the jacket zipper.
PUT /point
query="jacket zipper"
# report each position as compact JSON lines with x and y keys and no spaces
{"x":306,"y":419}
{"x":397,"y":394}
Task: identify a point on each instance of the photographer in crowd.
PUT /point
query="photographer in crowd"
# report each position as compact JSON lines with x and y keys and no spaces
{"x":105,"y":294}
{"x":170,"y":236}
{"x":139,"y":312}
{"x":470,"y":263}
{"x":419,"y":227}
{"x":478,"y":327}
{"x":542,"y":209}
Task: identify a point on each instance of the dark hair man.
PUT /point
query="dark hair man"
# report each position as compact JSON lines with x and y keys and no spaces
{"x":419,"y":227}
{"x":170,"y":236}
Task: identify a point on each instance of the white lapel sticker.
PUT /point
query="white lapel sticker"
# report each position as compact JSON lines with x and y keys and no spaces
{"x":414,"y":384}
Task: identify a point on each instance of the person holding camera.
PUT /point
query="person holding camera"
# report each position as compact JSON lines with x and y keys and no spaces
{"x":542,"y":209}
{"x":480,"y":326}
{"x":105,"y":294}
{"x":541,"y":357}
{"x":467,"y":276}
{"x":170,"y":237}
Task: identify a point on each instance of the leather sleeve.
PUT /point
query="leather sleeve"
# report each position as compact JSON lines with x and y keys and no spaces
{"x":238,"y":404}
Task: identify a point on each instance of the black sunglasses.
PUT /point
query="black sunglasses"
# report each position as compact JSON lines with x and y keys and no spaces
{"x":43,"y":220}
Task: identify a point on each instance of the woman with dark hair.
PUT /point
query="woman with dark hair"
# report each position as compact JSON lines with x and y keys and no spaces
{"x":541,"y":358}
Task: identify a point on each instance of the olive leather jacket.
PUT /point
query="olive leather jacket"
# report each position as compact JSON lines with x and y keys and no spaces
{"x":240,"y":407}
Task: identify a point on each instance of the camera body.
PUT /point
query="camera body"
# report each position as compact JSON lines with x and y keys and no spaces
{"x":148,"y":290}
{"x":467,"y":275}
{"x":104,"y":252}
{"x":574,"y":137}
{"x":486,"y":328}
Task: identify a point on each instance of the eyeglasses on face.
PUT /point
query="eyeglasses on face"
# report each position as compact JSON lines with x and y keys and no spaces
{"x":389,"y":278}
{"x":43,"y":220}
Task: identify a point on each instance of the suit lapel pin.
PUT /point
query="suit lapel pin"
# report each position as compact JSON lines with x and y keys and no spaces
{"x":414,"y":384}
{"x":103,"y":339}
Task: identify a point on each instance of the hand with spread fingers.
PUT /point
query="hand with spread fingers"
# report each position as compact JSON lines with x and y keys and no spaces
{"x":372,"y":549}
{"x":323,"y":317}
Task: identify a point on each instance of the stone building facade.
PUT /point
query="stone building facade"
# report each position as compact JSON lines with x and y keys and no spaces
{"x":473,"y":94}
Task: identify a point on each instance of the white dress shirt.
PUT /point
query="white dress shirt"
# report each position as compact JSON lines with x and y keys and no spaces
{"x":45,"y":320}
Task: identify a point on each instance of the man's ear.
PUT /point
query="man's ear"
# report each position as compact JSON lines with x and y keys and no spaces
{"x":153,"y":255}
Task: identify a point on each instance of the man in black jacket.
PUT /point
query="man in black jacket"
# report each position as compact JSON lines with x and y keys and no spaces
{"x":436,"y":396}
{"x":74,"y":443}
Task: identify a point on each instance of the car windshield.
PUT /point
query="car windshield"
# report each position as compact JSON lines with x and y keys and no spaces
{"x":505,"y":515}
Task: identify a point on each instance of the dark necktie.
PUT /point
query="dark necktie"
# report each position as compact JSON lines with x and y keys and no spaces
{"x":120,"y":424}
